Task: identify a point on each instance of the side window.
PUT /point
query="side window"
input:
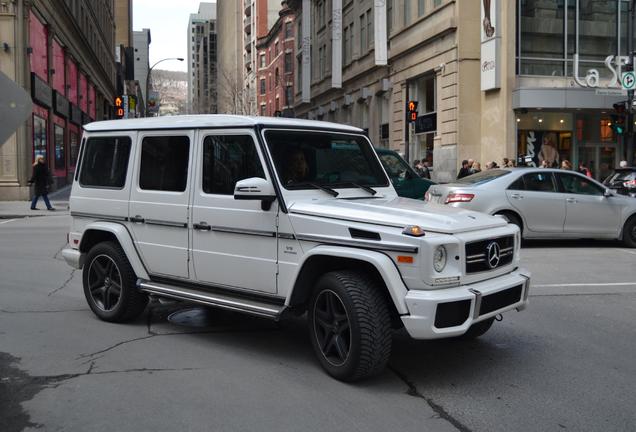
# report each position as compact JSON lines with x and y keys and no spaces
{"x":105,"y":162}
{"x":579,"y":185}
{"x":517,"y":184}
{"x":228,"y":159}
{"x":539,"y":182}
{"x":394,"y":167}
{"x":164,"y":163}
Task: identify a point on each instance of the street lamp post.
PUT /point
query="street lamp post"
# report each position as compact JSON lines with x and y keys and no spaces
{"x":148,"y":80}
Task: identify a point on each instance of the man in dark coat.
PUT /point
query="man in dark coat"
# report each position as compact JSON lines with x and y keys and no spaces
{"x":464,"y":171}
{"x":42,"y":179}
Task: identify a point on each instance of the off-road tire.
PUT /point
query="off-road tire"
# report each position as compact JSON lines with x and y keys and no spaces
{"x":117,"y":272}
{"x":369,"y":324}
{"x":629,"y":233}
{"x":477,"y":329}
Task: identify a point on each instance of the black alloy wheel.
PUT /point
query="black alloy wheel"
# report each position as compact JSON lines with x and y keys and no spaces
{"x":110,"y":284}
{"x":331,"y":327}
{"x":104,"y":282}
{"x":350,"y":324}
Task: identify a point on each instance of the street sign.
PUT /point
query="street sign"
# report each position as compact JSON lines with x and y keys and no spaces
{"x":15,"y":107}
{"x":628,"y":80}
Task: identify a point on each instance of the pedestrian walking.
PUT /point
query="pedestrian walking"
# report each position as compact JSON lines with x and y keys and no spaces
{"x":476,"y":167}
{"x":471,"y":162}
{"x":584,"y":170}
{"x":41,"y":178}
{"x":417,"y":166}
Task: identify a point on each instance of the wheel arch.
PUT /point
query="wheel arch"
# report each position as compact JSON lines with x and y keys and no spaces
{"x":324,"y":259}
{"x":98,"y":232}
{"x":628,"y":219}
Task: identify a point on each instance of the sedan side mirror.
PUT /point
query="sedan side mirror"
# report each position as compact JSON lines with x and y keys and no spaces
{"x":255,"y":188}
{"x":608,"y":193}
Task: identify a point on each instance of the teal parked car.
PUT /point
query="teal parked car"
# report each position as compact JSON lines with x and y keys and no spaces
{"x":405,"y":179}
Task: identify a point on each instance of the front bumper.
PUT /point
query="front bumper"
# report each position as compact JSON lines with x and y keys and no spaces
{"x":450,"y":312}
{"x":73,"y":257}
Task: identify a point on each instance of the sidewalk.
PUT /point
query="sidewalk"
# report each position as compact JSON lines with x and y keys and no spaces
{"x":21,"y":209}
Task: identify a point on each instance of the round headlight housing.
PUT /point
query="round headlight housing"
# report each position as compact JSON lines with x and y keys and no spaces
{"x":439,"y":259}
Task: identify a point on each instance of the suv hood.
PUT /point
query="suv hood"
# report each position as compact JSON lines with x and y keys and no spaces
{"x":399,"y":212}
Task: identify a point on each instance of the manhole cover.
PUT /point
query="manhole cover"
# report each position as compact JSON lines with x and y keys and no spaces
{"x":194,"y":317}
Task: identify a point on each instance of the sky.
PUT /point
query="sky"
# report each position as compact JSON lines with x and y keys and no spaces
{"x":168,"y":24}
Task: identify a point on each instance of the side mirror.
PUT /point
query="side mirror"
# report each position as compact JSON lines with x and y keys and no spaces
{"x":608,"y":193}
{"x":255,"y":188}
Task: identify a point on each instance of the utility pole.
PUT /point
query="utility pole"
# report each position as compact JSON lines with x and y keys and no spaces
{"x":629,"y":144}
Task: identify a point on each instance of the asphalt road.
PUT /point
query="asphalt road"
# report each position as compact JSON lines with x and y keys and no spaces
{"x":566,"y":363}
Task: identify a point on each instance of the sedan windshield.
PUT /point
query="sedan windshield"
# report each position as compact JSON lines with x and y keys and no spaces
{"x":482,"y":177}
{"x":304,"y":160}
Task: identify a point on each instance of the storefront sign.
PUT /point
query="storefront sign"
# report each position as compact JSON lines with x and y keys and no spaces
{"x":426,"y":123}
{"x":336,"y":40}
{"x":40,"y":91}
{"x":592,"y":77}
{"x":379,"y":17}
{"x":62,"y":105}
{"x":490,"y":45}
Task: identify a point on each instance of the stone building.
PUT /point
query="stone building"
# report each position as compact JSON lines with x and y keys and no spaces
{"x":202,"y":58}
{"x":62,"y":54}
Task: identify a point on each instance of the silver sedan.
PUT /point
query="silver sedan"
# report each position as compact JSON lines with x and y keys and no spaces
{"x":544,"y":203}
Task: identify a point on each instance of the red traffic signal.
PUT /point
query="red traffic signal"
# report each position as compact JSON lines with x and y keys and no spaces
{"x":411,"y":107}
{"x":119,"y":107}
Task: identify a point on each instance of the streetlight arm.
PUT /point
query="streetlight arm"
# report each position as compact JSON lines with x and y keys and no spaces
{"x":148,"y":79}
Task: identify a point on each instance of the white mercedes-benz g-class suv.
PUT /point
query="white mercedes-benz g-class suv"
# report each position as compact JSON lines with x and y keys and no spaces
{"x":271,"y":216}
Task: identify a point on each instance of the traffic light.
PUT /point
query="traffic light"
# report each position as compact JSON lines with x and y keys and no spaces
{"x":119,"y":107}
{"x":411,"y":107}
{"x":617,"y":123}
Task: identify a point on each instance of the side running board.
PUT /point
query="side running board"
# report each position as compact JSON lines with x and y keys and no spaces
{"x":221,"y":300}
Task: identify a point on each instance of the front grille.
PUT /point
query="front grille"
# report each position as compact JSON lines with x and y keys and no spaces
{"x":477,"y":254}
{"x":501,"y":299}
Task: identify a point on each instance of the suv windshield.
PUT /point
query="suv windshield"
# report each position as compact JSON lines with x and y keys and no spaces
{"x":326,"y":159}
{"x":482,"y":177}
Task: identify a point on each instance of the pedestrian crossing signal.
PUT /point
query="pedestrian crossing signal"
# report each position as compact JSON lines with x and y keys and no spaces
{"x":119,"y":107}
{"x":411,"y":107}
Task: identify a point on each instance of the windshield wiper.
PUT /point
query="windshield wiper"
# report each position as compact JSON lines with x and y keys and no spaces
{"x":316,"y":186}
{"x":359,"y":186}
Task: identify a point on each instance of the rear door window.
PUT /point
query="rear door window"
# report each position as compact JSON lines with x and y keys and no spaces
{"x":539,"y":182}
{"x":164,"y":163}
{"x":105,"y":162}
{"x":517,"y":184}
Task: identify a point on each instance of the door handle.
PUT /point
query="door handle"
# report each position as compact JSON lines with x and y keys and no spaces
{"x":516,"y":196}
{"x":571,"y":200}
{"x":137,"y":219}
{"x":202,"y":226}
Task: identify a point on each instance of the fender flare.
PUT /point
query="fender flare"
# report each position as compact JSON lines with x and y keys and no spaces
{"x":125,"y":241}
{"x":381,"y":262}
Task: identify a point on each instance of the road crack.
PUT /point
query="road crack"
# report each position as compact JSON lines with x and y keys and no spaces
{"x":64,"y":284}
{"x":439,"y":410}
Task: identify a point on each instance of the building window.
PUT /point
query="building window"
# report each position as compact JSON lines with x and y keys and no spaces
{"x":437,"y":3}
{"x":275,"y":49}
{"x":289,"y":30}
{"x":263,"y":86}
{"x":370,"y":34}
{"x":60,"y":153}
{"x":322,"y":59}
{"x":364,"y":46}
{"x":288,"y":63}
{"x":421,"y":7}
{"x":407,"y":12}
{"x":276,"y":77}
{"x":74,"y":147}
{"x":263,"y":109}
{"x":262,"y":57}
{"x":39,"y":136}
{"x":389,"y":16}
{"x":289,"y":95}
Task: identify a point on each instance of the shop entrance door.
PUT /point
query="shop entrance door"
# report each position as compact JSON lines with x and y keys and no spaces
{"x":600,"y":158}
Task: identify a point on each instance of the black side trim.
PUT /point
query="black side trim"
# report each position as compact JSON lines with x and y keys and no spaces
{"x":230,"y":291}
{"x":231,"y":230}
{"x":365,"y":235}
{"x":99,"y":216}
{"x":166,"y":223}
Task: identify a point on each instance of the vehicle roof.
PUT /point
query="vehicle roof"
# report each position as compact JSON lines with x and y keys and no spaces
{"x":203,"y":121}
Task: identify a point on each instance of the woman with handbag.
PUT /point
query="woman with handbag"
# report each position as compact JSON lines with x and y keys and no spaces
{"x":42,"y":179}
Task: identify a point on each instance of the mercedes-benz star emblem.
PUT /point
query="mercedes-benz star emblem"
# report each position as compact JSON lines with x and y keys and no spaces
{"x":493,"y":254}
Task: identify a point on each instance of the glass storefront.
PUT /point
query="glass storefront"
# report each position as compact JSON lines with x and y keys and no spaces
{"x":39,"y":136}
{"x":60,"y":154}
{"x":578,"y":137}
{"x":550,"y":32}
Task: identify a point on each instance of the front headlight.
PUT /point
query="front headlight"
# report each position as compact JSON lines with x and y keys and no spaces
{"x":439,"y":259}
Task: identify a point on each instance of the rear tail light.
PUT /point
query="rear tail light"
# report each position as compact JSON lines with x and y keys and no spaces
{"x":630,"y":184}
{"x":459,"y":197}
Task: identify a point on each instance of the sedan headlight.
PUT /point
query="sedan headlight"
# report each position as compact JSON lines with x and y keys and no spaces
{"x":439,"y":259}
